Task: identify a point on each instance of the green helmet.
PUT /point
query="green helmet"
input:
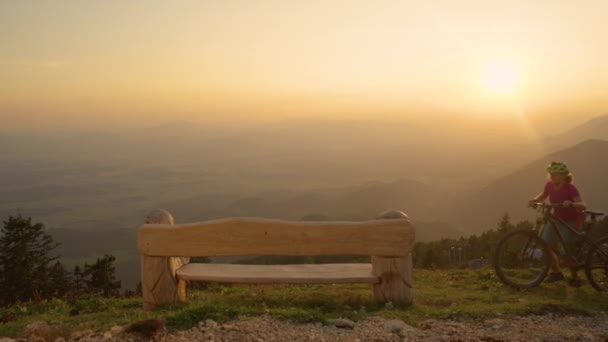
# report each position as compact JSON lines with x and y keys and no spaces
{"x":557,"y":167}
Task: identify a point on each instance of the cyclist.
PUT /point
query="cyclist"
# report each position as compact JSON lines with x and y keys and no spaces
{"x":560,"y":190}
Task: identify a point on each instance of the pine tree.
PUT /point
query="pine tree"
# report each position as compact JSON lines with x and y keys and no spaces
{"x":430,"y":260}
{"x":78,"y":282}
{"x":101,"y":277}
{"x":60,"y":281}
{"x":505,"y":225}
{"x":24,"y":260}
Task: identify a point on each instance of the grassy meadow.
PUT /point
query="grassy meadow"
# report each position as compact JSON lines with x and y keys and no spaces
{"x":441,"y":294}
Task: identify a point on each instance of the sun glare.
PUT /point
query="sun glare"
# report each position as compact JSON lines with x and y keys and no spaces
{"x":500,"y":78}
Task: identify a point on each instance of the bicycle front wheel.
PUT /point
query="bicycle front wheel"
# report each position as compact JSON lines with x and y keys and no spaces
{"x":596,"y":266}
{"x":521,"y":259}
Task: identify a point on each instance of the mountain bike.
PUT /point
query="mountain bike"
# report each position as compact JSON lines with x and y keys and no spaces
{"x":522,"y":258}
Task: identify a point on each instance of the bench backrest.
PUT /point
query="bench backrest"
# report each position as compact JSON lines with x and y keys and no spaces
{"x":250,"y":236}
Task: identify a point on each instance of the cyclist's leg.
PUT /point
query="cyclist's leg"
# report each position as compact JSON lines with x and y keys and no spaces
{"x":555,"y":267}
{"x":571,"y":239}
{"x":551,"y":238}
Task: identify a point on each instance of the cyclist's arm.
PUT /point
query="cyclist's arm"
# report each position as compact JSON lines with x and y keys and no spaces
{"x":577,"y":203}
{"x":539,"y":198}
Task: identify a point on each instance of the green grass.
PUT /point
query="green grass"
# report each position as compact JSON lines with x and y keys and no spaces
{"x":453,"y":294}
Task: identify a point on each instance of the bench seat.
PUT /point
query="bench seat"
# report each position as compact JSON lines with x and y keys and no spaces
{"x":291,"y":274}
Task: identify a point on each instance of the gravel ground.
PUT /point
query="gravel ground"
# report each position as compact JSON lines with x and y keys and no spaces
{"x":532,"y":328}
{"x":264,"y":328}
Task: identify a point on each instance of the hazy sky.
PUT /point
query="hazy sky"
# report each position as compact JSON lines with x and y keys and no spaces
{"x":73,"y":62}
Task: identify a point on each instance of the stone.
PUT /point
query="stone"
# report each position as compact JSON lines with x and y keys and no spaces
{"x":495,"y":323}
{"x":76,"y":335}
{"x":116,"y":330}
{"x":148,"y":329}
{"x":228,"y":327}
{"x":81,"y":334}
{"x":210,"y":324}
{"x":37,"y":329}
{"x":342,"y":323}
{"x":395,"y":326}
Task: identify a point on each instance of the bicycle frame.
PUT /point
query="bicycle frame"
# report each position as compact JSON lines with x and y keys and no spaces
{"x":553,"y":221}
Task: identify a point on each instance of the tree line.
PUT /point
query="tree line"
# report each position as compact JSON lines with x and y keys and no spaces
{"x":29,"y":270}
{"x":439,"y":254}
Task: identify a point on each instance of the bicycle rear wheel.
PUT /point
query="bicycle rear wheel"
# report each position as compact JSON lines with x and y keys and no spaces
{"x":521,"y":259}
{"x":596,"y":266}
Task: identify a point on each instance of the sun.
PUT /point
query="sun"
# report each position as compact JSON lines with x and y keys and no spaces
{"x":500,"y":78}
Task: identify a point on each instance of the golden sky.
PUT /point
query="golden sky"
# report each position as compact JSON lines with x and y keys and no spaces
{"x":89,"y":61}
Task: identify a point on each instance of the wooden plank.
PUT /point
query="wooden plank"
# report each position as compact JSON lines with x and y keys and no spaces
{"x":266,"y":274}
{"x":250,"y":236}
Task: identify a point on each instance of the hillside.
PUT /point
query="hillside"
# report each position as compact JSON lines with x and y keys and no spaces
{"x":588,"y":161}
{"x":596,"y":128}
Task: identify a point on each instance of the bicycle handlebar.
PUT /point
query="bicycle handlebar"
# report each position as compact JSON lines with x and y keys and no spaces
{"x":547,"y":205}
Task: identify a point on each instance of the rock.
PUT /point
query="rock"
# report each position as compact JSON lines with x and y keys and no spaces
{"x":81,"y":334}
{"x":76,"y":335}
{"x":228,"y":327}
{"x":389,"y":305}
{"x":6,"y":339}
{"x":342,"y":323}
{"x":37,"y":329}
{"x":116,"y":330}
{"x":59,"y":339}
{"x":396,"y":326}
{"x":107,"y":336}
{"x":210,"y":324}
{"x":148,"y":329}
{"x":426,"y":325}
{"x":495,"y":323}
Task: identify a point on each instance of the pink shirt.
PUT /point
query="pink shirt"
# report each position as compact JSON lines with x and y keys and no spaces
{"x":566,"y":192}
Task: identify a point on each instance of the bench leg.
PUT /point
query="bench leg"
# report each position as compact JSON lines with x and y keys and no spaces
{"x":182,"y":290}
{"x":395,"y":279}
{"x":159,"y":284}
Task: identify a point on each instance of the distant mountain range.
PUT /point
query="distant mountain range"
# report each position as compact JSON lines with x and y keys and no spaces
{"x":596,"y":128}
{"x":588,"y":161}
{"x":93,"y":190}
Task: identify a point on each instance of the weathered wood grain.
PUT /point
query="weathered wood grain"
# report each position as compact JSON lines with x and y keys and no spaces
{"x":394,"y":272}
{"x":158,"y":282}
{"x":291,"y":274}
{"x":250,"y":236}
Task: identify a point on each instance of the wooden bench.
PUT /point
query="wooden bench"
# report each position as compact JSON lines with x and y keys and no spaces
{"x":165,"y":250}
